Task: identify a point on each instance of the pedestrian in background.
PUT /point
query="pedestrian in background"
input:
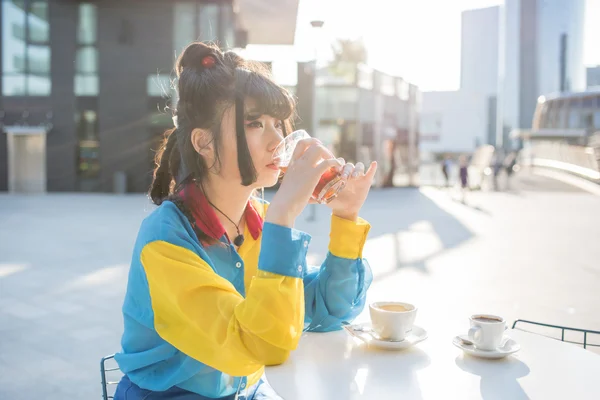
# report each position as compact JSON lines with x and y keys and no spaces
{"x":510,"y":163}
{"x":446,"y":170}
{"x":464,"y":176}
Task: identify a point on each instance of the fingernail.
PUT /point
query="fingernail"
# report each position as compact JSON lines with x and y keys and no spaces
{"x":345,"y":175}
{"x":354,"y":174}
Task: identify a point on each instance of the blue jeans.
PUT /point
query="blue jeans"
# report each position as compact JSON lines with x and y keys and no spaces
{"x":127,"y":390}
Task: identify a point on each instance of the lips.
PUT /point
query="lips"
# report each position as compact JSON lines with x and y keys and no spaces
{"x":272,"y":166}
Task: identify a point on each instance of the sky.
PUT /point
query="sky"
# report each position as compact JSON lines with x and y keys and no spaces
{"x":416,"y":39}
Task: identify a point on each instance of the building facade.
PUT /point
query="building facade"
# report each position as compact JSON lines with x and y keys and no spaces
{"x":90,"y":80}
{"x":541,"y":51}
{"x":460,"y":121}
{"x":453,"y":122}
{"x":479,"y":50}
{"x":365,"y":115}
{"x":592,"y":76}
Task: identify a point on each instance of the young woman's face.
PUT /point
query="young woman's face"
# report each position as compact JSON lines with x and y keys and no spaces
{"x":263,"y":134}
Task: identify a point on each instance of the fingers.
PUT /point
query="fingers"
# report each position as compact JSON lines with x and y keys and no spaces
{"x":371,"y":171}
{"x":302,"y":146}
{"x":327,"y":164}
{"x":318,"y":152}
{"x":359,"y":170}
{"x":347,"y":170}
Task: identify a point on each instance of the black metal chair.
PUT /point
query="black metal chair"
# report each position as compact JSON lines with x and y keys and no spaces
{"x":104,"y":369}
{"x":563,"y":329}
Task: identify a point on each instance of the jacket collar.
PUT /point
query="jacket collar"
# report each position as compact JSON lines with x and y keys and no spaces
{"x":206,"y":218}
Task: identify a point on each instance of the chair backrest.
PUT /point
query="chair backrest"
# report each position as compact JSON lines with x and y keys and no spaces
{"x":108,"y":366}
{"x":591,"y":339}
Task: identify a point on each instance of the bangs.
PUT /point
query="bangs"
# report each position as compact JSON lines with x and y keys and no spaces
{"x":269,"y":98}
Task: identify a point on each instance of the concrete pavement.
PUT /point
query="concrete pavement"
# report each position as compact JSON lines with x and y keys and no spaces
{"x":64,"y":259}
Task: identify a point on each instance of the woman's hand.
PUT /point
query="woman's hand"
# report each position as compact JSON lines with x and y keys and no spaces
{"x":310,"y":160}
{"x":349,"y":201}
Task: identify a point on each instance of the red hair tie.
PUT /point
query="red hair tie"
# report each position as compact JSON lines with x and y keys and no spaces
{"x":208,"y":62}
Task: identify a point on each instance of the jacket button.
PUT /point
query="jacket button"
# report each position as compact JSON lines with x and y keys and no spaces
{"x":238,"y":264}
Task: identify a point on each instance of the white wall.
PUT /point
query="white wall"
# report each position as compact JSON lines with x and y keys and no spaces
{"x":459,"y":116}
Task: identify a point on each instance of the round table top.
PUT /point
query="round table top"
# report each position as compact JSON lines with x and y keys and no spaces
{"x":336,"y":366}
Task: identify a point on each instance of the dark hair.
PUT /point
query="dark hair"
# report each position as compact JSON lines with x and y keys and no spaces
{"x":206,"y":89}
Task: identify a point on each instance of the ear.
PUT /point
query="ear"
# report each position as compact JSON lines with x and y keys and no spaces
{"x":202,"y":141}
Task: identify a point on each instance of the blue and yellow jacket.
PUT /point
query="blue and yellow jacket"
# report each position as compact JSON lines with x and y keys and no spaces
{"x":208,"y":318}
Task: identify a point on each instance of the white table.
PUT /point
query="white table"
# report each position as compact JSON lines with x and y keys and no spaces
{"x":335,"y":366}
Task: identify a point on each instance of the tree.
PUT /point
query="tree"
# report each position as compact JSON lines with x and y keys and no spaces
{"x":349,"y":51}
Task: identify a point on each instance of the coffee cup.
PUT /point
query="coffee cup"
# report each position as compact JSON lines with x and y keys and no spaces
{"x":392,"y":320}
{"x":486,"y":331}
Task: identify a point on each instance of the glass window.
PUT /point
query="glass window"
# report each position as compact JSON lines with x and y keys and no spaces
{"x":588,"y":102}
{"x":38,"y":58}
{"x":228,"y":24}
{"x":89,"y":154}
{"x":86,"y":29}
{"x":561,"y":114}
{"x":38,"y":85}
{"x":13,"y":85}
{"x":86,"y":85}
{"x":13,"y":35}
{"x":543,"y":116}
{"x":574,"y":110}
{"x":208,"y":22}
{"x":159,"y":85}
{"x":597,"y":119}
{"x":184,"y":25}
{"x":87,"y":60}
{"x":402,"y":88}
{"x":25,"y":50}
{"x":37,"y":18}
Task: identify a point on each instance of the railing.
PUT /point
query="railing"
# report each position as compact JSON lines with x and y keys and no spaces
{"x":579,"y":160}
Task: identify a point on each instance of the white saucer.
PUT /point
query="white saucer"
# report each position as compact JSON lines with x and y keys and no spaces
{"x":508,"y":347}
{"x":365,"y":333}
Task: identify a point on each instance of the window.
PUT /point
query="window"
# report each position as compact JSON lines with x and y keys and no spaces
{"x":402,"y":89}
{"x":86,"y":59}
{"x":25,"y":48}
{"x":159,"y":85}
{"x":212,"y":22}
{"x":228,"y":26}
{"x":561,"y":114}
{"x":208,"y":22}
{"x":574,"y":109}
{"x":88,"y":162}
{"x":543,"y":115}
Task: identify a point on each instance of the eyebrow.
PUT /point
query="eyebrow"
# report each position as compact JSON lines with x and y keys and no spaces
{"x":252,"y":114}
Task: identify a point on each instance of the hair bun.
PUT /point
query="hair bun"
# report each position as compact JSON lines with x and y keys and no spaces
{"x":232,"y":59}
{"x":198,"y":55}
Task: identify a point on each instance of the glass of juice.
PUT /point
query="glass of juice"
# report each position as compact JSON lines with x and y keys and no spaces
{"x":331,"y":182}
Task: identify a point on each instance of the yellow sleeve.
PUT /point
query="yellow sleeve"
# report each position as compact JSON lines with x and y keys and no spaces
{"x":347,"y":238}
{"x":202,"y":315}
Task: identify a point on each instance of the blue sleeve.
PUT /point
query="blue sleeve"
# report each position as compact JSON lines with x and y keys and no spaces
{"x":335,"y":293}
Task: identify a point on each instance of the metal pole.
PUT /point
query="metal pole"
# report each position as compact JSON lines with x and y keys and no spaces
{"x":312,"y":208}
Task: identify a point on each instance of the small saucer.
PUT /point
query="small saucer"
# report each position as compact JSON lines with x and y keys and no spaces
{"x":365,"y":333}
{"x":506,"y":348}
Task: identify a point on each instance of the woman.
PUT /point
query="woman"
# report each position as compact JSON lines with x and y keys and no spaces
{"x":218,"y":285}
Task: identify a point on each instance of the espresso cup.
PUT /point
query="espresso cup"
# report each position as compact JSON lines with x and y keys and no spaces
{"x":392,"y":320}
{"x":486,"y":331}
